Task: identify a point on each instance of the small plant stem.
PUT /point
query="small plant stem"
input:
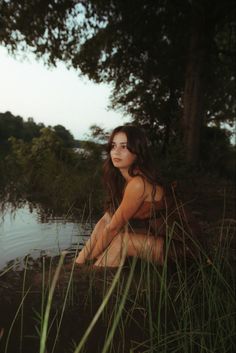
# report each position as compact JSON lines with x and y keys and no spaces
{"x":149,"y":307}
{"x":43,"y":337}
{"x":22,"y":307}
{"x":14,"y":319}
{"x":99,"y":311}
{"x":64,"y":305}
{"x":120,"y":309}
{"x":43,"y":296}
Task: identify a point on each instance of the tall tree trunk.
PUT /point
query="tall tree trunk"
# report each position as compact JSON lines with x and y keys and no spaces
{"x":193,"y":99}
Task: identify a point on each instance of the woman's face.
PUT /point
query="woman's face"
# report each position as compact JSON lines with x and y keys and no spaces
{"x":121,"y":157}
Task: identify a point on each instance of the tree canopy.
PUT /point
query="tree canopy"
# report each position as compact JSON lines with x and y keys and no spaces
{"x":171,"y":62}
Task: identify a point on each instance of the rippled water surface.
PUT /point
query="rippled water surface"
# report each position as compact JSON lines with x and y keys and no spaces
{"x":22,"y":233}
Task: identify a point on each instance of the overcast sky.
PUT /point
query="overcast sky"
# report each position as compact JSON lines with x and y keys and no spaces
{"x":54,"y":96}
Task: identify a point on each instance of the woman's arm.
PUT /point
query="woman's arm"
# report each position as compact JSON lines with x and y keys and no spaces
{"x":134,"y":196}
{"x":86,"y":251}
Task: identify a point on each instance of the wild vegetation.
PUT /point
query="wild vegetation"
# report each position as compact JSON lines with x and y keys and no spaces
{"x":171,"y":64}
{"x":42,"y":164}
{"x":57,"y":307}
{"x":46,"y":165}
{"x":186,"y":307}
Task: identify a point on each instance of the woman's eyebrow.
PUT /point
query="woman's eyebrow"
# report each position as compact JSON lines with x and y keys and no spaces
{"x":120,"y":143}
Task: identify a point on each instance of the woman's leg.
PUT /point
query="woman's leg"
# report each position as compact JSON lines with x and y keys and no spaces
{"x":115,"y":253}
{"x":129,"y":244}
{"x":85,"y":253}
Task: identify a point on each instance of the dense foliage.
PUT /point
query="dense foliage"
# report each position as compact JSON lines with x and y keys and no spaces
{"x":11,"y":125}
{"x":44,"y":166}
{"x":171,"y":63}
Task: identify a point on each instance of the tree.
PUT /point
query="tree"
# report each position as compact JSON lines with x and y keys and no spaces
{"x":205,"y":60}
{"x":15,"y":126}
{"x":11,"y":125}
{"x":99,"y":134}
{"x":65,"y":135}
{"x":170,"y":61}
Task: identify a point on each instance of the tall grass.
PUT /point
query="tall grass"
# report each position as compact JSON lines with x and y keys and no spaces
{"x":184,"y":307}
{"x":45,"y":322}
{"x":14,"y":320}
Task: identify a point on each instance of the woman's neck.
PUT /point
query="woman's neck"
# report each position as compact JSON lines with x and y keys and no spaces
{"x":125,"y":174}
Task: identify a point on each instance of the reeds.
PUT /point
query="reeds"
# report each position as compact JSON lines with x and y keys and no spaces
{"x":184,"y":307}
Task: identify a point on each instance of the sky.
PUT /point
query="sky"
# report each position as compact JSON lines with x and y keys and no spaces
{"x":54,"y":96}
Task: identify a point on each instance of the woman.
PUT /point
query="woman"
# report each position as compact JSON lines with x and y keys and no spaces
{"x":140,"y":215}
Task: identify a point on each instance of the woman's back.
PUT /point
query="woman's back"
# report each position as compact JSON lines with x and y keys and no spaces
{"x":151,"y":195}
{"x":163,"y":214}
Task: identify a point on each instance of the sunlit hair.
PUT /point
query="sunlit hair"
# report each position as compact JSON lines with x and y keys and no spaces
{"x":143,"y":165}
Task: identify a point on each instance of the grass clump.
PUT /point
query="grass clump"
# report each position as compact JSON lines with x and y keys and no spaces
{"x":182,"y":307}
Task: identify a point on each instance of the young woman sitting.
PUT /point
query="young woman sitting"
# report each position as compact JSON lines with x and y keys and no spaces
{"x":142,"y":217}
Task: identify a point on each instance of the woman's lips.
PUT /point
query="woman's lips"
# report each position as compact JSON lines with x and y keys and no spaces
{"x":116,"y":159}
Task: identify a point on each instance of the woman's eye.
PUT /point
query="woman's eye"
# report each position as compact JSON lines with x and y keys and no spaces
{"x":124,"y":147}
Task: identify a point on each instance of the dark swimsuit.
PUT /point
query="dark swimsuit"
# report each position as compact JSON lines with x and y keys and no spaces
{"x":170,"y":219}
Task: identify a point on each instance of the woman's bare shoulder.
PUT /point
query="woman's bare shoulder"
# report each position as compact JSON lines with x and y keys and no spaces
{"x":137,"y":182}
{"x":136,"y":186}
{"x":144,"y":188}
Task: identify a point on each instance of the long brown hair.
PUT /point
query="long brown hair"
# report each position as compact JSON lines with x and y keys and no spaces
{"x":114,"y":182}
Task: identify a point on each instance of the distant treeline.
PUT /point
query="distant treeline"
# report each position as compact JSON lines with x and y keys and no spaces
{"x":16,"y":126}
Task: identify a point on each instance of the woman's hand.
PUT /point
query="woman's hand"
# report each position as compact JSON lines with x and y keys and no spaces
{"x":133,"y":197}
{"x":86,"y":251}
{"x":105,"y":239}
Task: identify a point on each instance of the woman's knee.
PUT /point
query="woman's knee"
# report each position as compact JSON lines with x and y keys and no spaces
{"x":158,"y":250}
{"x":106,"y":218}
{"x":152,"y":248}
{"x":119,"y":243}
{"x":116,"y":241}
{"x":103,"y":221}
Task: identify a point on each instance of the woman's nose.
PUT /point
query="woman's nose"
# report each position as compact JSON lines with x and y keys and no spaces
{"x":117,"y":150}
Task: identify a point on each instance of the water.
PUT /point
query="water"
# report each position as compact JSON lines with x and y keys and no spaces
{"x":22,"y":233}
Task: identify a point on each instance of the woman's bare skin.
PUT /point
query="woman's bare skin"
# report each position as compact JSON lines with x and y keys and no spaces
{"x":108,"y":240}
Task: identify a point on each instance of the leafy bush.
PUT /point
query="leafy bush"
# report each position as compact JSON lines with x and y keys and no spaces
{"x":47,"y":171}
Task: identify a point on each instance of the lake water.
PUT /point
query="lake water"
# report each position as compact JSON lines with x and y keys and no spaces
{"x":22,"y":233}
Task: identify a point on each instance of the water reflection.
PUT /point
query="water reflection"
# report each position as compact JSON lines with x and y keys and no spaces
{"x":23,"y":233}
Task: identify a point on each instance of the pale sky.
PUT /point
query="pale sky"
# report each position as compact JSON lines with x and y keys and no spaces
{"x":54,"y":96}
